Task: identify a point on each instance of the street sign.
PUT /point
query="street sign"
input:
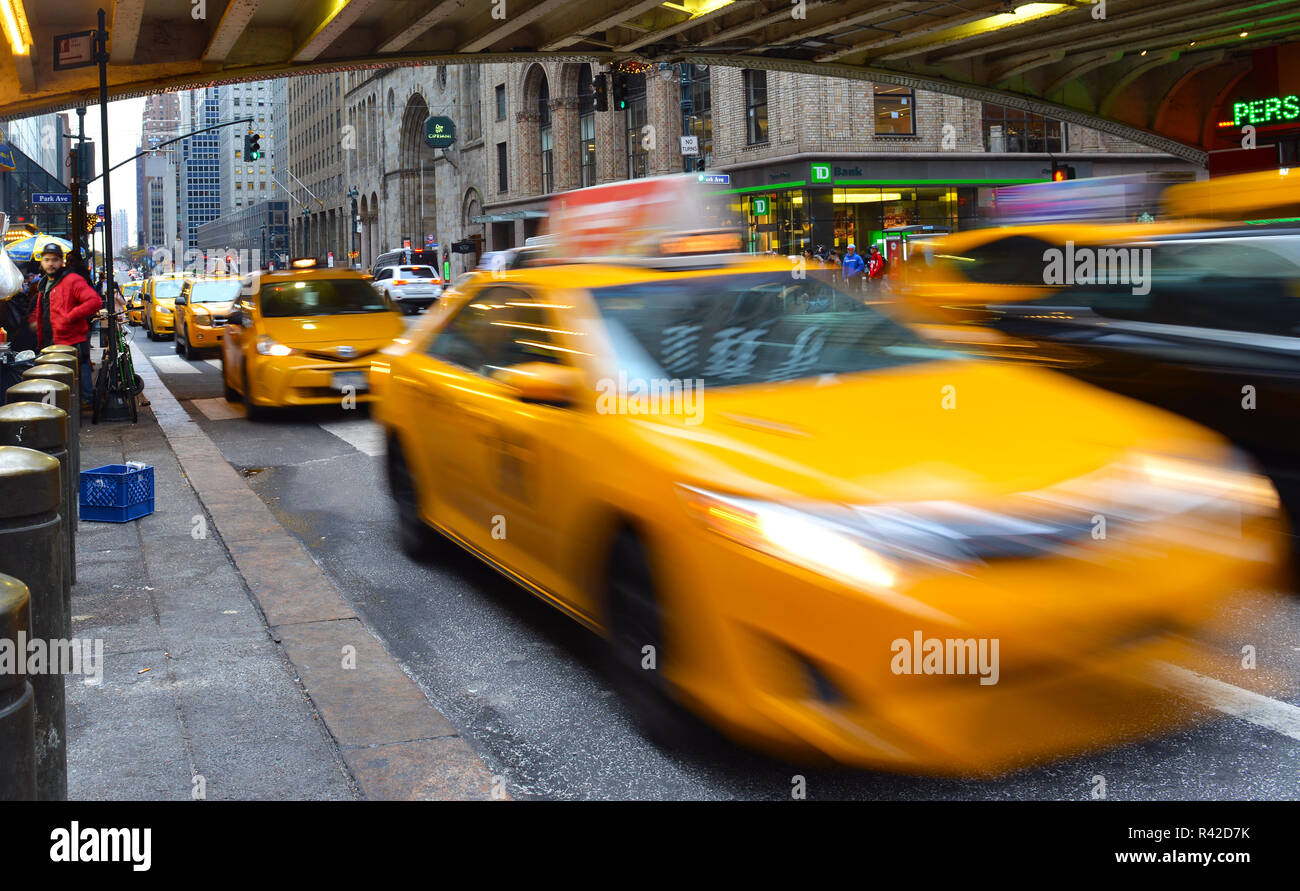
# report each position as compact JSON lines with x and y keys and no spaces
{"x":718,"y":179}
{"x":761,"y":207}
{"x":6,"y":155}
{"x":99,"y":211}
{"x":690,"y":145}
{"x":439,"y":132}
{"x":51,"y":198}
{"x":74,"y":50}
{"x":429,"y":243}
{"x":329,"y":259}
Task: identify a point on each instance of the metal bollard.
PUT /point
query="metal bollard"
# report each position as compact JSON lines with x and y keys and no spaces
{"x":58,"y":373}
{"x":69,"y":361}
{"x":17,"y":727}
{"x":32,"y":425}
{"x":60,"y":348}
{"x":54,"y":393}
{"x":32,"y":548}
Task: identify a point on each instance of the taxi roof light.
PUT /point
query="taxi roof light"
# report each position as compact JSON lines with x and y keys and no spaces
{"x":303,"y":262}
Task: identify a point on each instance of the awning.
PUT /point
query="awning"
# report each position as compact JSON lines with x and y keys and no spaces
{"x":508,"y":215}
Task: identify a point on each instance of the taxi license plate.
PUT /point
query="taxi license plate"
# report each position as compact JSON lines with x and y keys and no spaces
{"x":341,"y":380}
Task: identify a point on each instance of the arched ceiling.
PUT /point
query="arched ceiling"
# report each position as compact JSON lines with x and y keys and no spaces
{"x":1149,"y":70}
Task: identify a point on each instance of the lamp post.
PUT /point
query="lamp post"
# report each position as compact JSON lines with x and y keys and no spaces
{"x":356,"y":227}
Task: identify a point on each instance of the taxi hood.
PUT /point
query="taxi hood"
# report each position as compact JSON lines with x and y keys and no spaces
{"x":960,"y":430}
{"x":364,"y":331}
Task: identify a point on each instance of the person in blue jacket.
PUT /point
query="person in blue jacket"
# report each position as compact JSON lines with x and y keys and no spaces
{"x":853,"y":265}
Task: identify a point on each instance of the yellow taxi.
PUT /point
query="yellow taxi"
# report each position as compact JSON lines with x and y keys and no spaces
{"x":134,"y":303}
{"x":159,"y":297}
{"x":793,"y":516}
{"x":201,"y":310}
{"x":304,"y":336}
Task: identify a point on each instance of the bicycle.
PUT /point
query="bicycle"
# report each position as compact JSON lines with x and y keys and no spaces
{"x":116,"y":375}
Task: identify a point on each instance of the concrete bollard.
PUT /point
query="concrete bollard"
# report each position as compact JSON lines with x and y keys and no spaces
{"x":58,"y":373}
{"x":32,"y":425}
{"x":17,"y":727}
{"x":32,"y":548}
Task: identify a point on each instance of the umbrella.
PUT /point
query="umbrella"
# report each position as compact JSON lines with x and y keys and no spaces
{"x":21,"y":250}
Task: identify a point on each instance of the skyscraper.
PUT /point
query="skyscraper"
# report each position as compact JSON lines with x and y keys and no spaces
{"x":246,"y":182}
{"x":200,"y":165}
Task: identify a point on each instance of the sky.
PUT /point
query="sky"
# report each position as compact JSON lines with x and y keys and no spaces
{"x":123,"y":138}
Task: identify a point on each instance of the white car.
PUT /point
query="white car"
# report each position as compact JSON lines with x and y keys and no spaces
{"x":411,"y":287}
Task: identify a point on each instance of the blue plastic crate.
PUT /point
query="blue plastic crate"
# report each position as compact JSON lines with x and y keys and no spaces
{"x":116,"y":493}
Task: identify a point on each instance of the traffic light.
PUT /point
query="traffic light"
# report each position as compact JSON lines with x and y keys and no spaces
{"x":252,"y":150}
{"x":1061,"y":172}
{"x":600,"y":89}
{"x":619,"y":90}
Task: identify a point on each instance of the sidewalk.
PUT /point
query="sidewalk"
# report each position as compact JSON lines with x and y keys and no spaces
{"x":222,"y":648}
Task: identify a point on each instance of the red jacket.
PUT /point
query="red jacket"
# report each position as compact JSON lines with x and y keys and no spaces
{"x":72,"y":304}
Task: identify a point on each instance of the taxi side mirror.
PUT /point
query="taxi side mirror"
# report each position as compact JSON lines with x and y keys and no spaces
{"x":180,"y":300}
{"x":542,"y":382}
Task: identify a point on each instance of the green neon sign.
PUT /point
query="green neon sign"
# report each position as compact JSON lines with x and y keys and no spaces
{"x":1266,"y":111}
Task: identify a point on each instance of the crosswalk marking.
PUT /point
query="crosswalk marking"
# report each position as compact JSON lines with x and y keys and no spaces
{"x":363,"y":435}
{"x":215,"y":363}
{"x":172,"y":365}
{"x":219,"y":409}
{"x":1272,"y":714}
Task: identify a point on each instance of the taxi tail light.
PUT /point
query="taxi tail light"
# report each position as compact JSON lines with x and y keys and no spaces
{"x":401,"y":281}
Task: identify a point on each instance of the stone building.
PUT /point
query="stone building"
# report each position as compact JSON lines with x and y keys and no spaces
{"x":405,"y":191}
{"x":317,"y":160}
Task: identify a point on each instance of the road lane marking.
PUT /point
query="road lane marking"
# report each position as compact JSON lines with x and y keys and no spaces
{"x":215,"y":363}
{"x":1280,"y":717}
{"x":363,"y":435}
{"x":219,"y":409}
{"x":172,"y":365}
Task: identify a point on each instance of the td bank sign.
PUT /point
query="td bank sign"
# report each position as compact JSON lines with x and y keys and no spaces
{"x":820,"y":173}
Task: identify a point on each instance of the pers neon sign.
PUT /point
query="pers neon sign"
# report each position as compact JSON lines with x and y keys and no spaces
{"x":1273,"y":110}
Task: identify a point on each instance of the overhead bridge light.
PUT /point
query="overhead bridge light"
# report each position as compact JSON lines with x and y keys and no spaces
{"x":17,"y":32}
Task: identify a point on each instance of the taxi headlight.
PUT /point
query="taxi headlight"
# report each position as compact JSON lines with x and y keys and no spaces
{"x":269,"y":347}
{"x":793,"y":535}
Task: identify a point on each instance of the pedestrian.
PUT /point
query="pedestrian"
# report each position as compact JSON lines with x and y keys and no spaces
{"x":875,"y":268}
{"x":853,"y":266}
{"x":62,"y":310}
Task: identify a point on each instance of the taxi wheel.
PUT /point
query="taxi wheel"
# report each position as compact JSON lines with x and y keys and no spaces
{"x":252,"y":412}
{"x":635,"y":621}
{"x":415,"y":538}
{"x":148,"y":330}
{"x":177,"y":342}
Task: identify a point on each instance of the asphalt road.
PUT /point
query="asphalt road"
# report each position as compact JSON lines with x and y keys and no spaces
{"x":523,"y":683}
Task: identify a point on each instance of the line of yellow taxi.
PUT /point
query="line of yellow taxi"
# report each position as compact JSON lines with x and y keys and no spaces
{"x":200,"y":311}
{"x":158,"y":299}
{"x":793,"y":516}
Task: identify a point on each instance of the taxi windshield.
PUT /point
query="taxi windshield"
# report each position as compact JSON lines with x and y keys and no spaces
{"x":167,"y":288}
{"x":221,"y":291}
{"x":320,"y":297}
{"x":752,"y":328}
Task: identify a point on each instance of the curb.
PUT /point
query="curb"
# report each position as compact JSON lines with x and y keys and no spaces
{"x":392,"y":739}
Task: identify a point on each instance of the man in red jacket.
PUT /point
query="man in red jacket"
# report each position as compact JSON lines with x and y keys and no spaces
{"x":62,"y":311}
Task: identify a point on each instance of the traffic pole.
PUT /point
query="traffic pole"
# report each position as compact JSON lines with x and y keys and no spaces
{"x":32,"y":549}
{"x":31,"y":425}
{"x":17,"y":717}
{"x":63,"y":376}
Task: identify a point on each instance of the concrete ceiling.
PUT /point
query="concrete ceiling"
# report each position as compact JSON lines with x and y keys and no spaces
{"x":1154,"y":71}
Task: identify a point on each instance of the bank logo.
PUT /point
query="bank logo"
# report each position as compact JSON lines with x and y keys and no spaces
{"x":821,"y":173}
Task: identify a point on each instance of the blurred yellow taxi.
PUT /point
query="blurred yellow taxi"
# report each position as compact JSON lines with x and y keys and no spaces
{"x":159,"y":297}
{"x":201,"y":310}
{"x":790,"y":514}
{"x":304,"y":336}
{"x":134,"y":302}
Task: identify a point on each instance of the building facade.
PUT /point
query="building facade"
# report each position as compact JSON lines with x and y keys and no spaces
{"x":404,"y":191}
{"x":316,"y":166}
{"x":258,"y":232}
{"x":200,"y":169}
{"x":809,"y":160}
{"x":246,"y":182}
{"x":39,"y":147}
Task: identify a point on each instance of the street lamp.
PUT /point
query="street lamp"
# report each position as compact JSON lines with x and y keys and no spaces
{"x":356,"y":228}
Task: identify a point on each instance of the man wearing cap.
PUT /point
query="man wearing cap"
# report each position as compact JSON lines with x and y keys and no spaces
{"x":63,"y":308}
{"x":853,"y":266}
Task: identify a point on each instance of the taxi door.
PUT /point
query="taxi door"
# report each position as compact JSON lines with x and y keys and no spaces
{"x":237,"y":331}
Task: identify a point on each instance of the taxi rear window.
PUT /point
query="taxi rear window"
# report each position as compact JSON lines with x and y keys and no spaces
{"x":754,"y":328}
{"x":319,"y":297}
